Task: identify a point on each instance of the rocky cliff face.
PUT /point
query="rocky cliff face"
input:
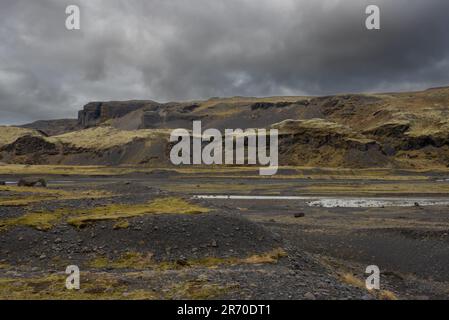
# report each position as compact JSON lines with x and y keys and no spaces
{"x":95,"y":113}
{"x":144,"y":114}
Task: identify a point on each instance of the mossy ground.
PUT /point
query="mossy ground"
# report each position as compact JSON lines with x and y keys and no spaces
{"x":94,"y":287}
{"x":92,"y":138}
{"x":43,"y":221}
{"x":354,"y":281}
{"x":139,"y":261}
{"x":107,"y":286}
{"x":216,"y":170}
{"x":348,"y":277}
{"x":121,"y":224}
{"x":14,"y":196}
{"x":115,"y":212}
{"x":166,"y":205}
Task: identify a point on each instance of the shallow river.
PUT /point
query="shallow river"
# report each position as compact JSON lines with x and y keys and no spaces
{"x":343,"y":202}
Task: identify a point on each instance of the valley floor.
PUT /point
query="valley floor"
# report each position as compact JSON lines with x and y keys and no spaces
{"x":141,"y":233}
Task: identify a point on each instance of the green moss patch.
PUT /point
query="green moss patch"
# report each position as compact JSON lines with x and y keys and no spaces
{"x":44,"y":221}
{"x":39,"y":220}
{"x":139,"y":261}
{"x":168,"y":205}
{"x":93,"y":287}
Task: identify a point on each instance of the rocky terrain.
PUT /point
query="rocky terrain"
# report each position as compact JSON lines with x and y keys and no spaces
{"x":392,"y":130}
{"x":184,"y":249}
{"x":145,"y":235}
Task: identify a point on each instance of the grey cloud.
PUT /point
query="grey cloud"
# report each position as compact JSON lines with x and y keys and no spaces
{"x":190,"y":49}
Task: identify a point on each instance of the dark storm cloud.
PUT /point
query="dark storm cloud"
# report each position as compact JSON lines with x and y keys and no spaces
{"x":189,"y":49}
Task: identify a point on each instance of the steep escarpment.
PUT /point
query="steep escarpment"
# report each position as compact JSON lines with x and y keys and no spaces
{"x":95,"y":113}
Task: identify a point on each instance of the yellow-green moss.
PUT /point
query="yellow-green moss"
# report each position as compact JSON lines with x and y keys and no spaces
{"x":130,"y":260}
{"x":93,"y":287}
{"x":101,"y":286}
{"x":352,"y":280}
{"x":23,"y":201}
{"x":272,"y":256}
{"x":10,"y":134}
{"x":79,"y":218}
{"x":23,"y":196}
{"x":168,"y":205}
{"x":122,"y":224}
{"x":39,"y":220}
{"x":138,"y":261}
{"x":103,"y":138}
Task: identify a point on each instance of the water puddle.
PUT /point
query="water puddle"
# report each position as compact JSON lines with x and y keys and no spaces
{"x":12,"y":183}
{"x":377,"y":203}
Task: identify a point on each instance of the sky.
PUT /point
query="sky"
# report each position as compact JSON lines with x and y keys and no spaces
{"x":173,"y":50}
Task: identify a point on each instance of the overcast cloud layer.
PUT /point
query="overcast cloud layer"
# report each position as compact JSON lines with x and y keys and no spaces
{"x":189,"y":49}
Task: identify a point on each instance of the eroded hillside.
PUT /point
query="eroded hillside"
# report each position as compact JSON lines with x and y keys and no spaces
{"x":400,"y":130}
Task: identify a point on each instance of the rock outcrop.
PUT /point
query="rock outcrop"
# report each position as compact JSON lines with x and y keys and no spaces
{"x":29,"y":149}
{"x":95,"y":113}
{"x":31,"y":145}
{"x":319,"y":142}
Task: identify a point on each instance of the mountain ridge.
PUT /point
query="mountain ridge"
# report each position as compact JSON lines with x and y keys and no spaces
{"x":400,"y":130}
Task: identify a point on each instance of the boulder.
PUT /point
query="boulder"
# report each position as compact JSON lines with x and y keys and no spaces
{"x":32,"y":182}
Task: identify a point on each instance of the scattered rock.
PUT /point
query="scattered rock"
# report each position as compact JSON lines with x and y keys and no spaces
{"x":422,"y":298}
{"x":309,"y":296}
{"x":269,"y":105}
{"x":299,"y":215}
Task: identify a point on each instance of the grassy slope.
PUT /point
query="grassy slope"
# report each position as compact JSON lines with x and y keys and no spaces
{"x":11,"y":134}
